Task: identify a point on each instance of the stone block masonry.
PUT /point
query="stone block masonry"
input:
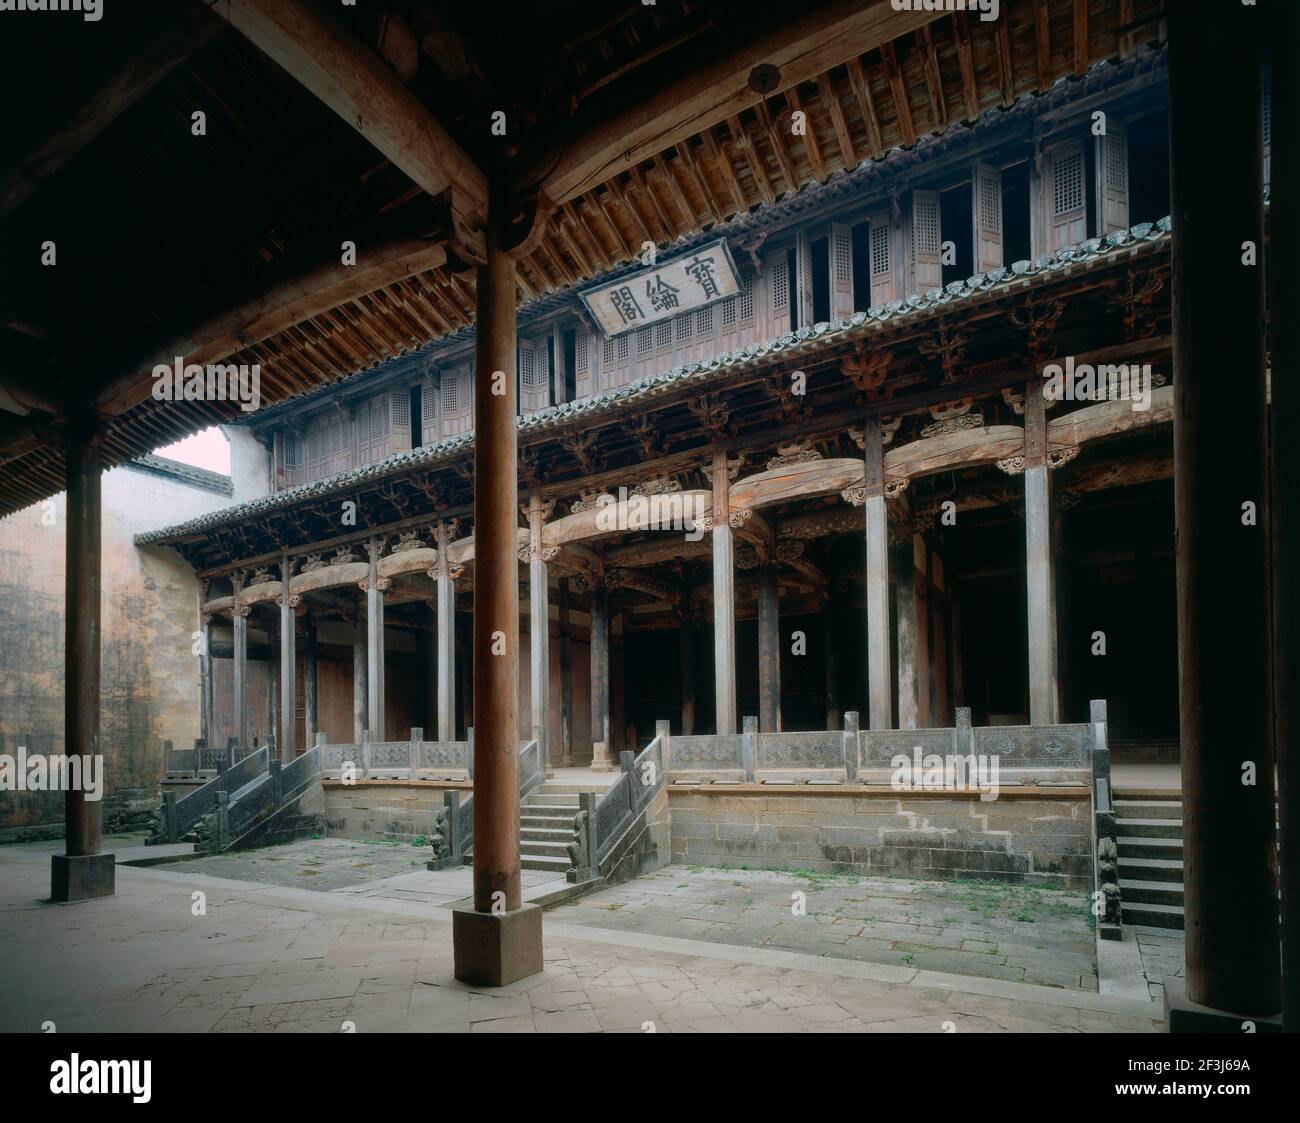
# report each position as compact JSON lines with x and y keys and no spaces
{"x":376,"y":809}
{"x":1039,"y":837}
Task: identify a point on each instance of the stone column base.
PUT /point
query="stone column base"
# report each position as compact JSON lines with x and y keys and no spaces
{"x":1182,"y":1015}
{"x":493,"y":949}
{"x":81,"y":877}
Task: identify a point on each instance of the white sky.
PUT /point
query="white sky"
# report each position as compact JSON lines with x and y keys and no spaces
{"x":208,"y":449}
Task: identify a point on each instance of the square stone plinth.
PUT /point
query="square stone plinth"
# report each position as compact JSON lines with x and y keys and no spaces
{"x":81,"y":877}
{"x":493,"y":949}
{"x":1182,"y":1015}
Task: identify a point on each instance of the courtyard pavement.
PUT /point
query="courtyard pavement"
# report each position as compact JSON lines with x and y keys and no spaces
{"x":256,"y":955}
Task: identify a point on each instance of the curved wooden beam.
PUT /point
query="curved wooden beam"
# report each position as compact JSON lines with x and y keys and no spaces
{"x":795,"y":481}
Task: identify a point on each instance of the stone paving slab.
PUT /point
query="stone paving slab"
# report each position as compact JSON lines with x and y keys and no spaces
{"x":272,"y":958}
{"x":988,"y":929}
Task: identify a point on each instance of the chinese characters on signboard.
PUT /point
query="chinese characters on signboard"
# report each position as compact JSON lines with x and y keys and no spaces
{"x":693,"y":280}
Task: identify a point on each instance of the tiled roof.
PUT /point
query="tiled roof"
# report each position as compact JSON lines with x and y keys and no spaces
{"x":1143,"y":237}
{"x":183,"y":473}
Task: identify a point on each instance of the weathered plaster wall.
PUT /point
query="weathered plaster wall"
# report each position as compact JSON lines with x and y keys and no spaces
{"x":150,"y":681}
{"x":1038,"y":839}
{"x":250,"y":464}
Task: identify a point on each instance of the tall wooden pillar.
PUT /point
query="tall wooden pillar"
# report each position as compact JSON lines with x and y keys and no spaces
{"x":288,"y":665}
{"x":446,"y":638}
{"x":879,"y":679}
{"x":830,"y":652}
{"x":239,"y":622}
{"x":769,"y":650}
{"x":205,"y":668}
{"x":1040,"y":588}
{"x":1225,"y":726}
{"x":309,"y":671}
{"x":913,"y":640}
{"x":496,"y":581}
{"x":360,"y":687}
{"x":82,"y":871}
{"x":1285,"y":288}
{"x":374,"y":587}
{"x":600,"y":724}
{"x":724,"y":601}
{"x":686,"y":639}
{"x":539,"y":637}
{"x":566,"y":674}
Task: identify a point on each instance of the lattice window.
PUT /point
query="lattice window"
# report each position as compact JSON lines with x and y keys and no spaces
{"x":729,"y":312}
{"x":682,"y":325}
{"x":527,"y":364}
{"x":454,"y":396}
{"x":622,"y":348}
{"x":401,"y":406}
{"x":746,"y":295}
{"x":644,"y":342}
{"x":879,"y":249}
{"x":843,"y":256}
{"x":780,"y":285}
{"x":1067,"y":183}
{"x":664,"y":333}
{"x":378,"y":419}
{"x":580,"y":352}
{"x":1116,"y":162}
{"x":927,"y":227}
{"x":990,"y":204}
{"x":292,"y":451}
{"x":607,"y":354}
{"x":704,"y":321}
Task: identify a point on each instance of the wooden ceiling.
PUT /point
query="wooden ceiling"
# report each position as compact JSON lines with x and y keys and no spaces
{"x":625,"y":123}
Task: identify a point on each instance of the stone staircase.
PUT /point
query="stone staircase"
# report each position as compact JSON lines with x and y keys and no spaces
{"x":546,"y":817}
{"x":1149,"y":825}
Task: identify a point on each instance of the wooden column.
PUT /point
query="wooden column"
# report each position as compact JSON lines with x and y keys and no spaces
{"x":1230,"y":859}
{"x":496,"y":581}
{"x":272,"y":681}
{"x":539,"y":637}
{"x":309,"y":671}
{"x":81,"y":871}
{"x":360,"y":689}
{"x":1038,"y":562}
{"x":81,"y":632}
{"x":724,"y":601}
{"x":446,"y":639}
{"x":205,"y":667}
{"x":374,"y":587}
{"x":769,"y":650}
{"x":288,"y":665}
{"x":600,"y":727}
{"x":879,"y":684}
{"x":686,"y":634}
{"x":566,"y":674}
{"x":913,"y":709}
{"x":829,"y":648}
{"x":1285,"y":287}
{"x":239,"y":621}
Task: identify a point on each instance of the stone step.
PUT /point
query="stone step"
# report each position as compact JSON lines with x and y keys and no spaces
{"x":529,"y":834}
{"x":1153,"y":869}
{"x":551,"y":799}
{"x":1149,"y":828}
{"x":1149,"y":808}
{"x":1153,"y":916}
{"x":1149,"y":848}
{"x":555,"y":849}
{"x":547,"y":822}
{"x":554,"y":865}
{"x":1150,"y":892}
{"x":546,"y":811}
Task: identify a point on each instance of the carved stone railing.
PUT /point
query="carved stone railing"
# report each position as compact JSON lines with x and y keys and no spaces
{"x":177,"y":817}
{"x":605,"y":824}
{"x":413,"y":759}
{"x":460,"y":812}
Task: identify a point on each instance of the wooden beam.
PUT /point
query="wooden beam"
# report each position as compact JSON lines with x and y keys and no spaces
{"x":842,"y":135}
{"x":285,"y":301}
{"x":1080,"y":36}
{"x":969,"y":87}
{"x":933,"y":80}
{"x":810,"y":135}
{"x":722,"y":158}
{"x":753,"y":158}
{"x":1006,"y":76}
{"x":1042,"y":44}
{"x":598,"y":147}
{"x":899,"y":88}
{"x":773,"y":133}
{"x":356,"y":84}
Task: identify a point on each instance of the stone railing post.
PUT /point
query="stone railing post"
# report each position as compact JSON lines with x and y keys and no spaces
{"x":663,"y":732}
{"x":1107,"y":908}
{"x":231,"y":744}
{"x":749,"y":747}
{"x":365,"y":754}
{"x":850,"y":741}
{"x":167,"y":757}
{"x":200,"y":747}
{"x":469,"y":752}
{"x":587,"y":802}
{"x":965,"y":735}
{"x":169,"y":816}
{"x":413,"y":753}
{"x":322,"y":739}
{"x":451,"y":801}
{"x":277,"y":785}
{"x":223,"y":819}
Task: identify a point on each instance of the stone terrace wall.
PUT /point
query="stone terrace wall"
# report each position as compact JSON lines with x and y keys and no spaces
{"x":395,"y":811}
{"x":1036,"y":838}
